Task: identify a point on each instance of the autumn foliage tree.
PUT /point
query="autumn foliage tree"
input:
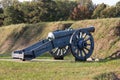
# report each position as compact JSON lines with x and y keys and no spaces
{"x":111,"y":11}
{"x":108,"y":12}
{"x":13,"y":15}
{"x":118,"y":9}
{"x":98,"y":10}
{"x":15,"y":12}
{"x":1,"y":17}
{"x":81,"y":12}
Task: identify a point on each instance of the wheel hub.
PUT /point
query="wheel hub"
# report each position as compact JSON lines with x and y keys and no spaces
{"x":82,"y":44}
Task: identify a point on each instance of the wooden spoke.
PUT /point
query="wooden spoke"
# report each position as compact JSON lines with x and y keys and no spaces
{"x":82,"y":48}
{"x":59,"y":52}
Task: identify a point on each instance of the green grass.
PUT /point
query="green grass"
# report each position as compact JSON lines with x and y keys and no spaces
{"x":66,"y":70}
{"x":5,"y":56}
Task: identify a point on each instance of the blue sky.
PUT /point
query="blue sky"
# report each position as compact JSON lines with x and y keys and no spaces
{"x":109,"y":2}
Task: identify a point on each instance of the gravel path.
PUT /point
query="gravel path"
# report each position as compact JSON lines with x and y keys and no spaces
{"x":48,"y":60}
{"x":35,"y":60}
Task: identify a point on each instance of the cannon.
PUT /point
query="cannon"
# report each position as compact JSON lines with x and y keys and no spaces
{"x":80,"y":42}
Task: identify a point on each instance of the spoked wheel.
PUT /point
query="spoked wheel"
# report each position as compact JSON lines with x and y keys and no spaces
{"x":82,"y":45}
{"x":59,"y":53}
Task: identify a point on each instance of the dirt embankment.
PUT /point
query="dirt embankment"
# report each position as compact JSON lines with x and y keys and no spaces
{"x":106,"y":35}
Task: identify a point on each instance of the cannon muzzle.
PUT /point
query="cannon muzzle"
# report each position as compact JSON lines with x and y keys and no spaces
{"x":88,"y":29}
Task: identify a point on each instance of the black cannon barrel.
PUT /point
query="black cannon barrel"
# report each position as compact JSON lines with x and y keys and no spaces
{"x":59,"y":34}
{"x":89,"y":29}
{"x":68,"y":32}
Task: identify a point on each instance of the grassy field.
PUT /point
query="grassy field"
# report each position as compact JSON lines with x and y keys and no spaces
{"x":60,"y":70}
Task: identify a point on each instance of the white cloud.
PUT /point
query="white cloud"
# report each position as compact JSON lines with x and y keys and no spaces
{"x":109,"y":2}
{"x":24,"y":0}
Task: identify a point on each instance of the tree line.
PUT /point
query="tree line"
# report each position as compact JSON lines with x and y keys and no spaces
{"x":14,"y":12}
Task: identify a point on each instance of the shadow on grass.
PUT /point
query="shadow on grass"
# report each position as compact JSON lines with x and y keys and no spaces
{"x":114,"y":56}
{"x":5,"y":56}
{"x":107,"y":76}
